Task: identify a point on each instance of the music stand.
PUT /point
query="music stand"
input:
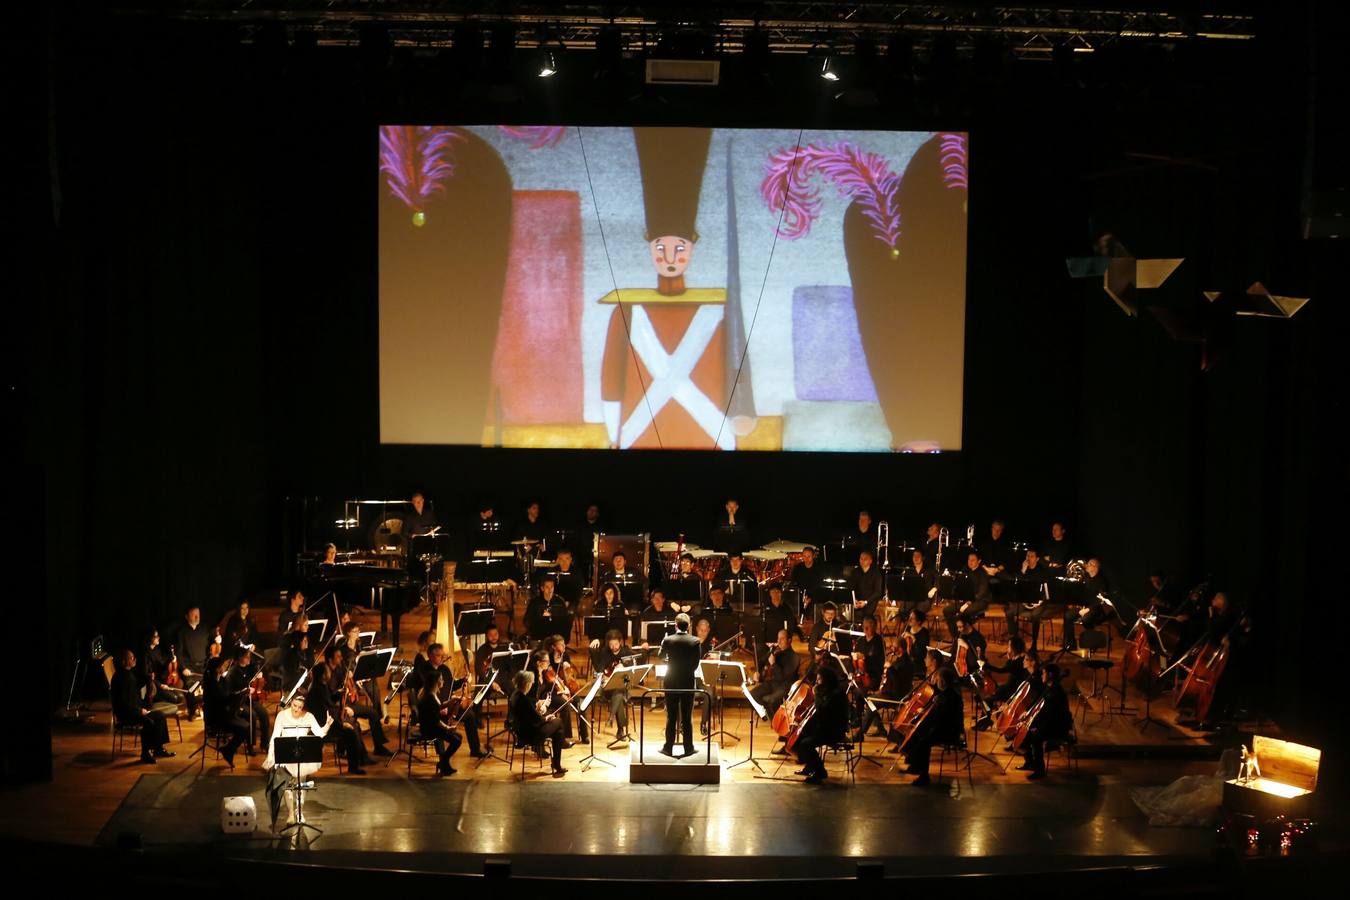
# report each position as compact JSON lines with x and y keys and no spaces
{"x":298,"y":751}
{"x":722,"y":674}
{"x":583,"y":708}
{"x":654,"y":631}
{"x":623,"y":678}
{"x":318,"y":632}
{"x":757,"y":711}
{"x":479,"y":695}
{"x":372,"y":664}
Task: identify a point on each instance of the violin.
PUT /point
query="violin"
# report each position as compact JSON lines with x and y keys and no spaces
{"x":171,"y":677}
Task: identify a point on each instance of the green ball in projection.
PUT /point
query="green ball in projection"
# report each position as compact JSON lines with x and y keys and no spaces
{"x":419,"y":218}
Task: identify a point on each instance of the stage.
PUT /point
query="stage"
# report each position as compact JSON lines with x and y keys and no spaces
{"x":733,"y":831}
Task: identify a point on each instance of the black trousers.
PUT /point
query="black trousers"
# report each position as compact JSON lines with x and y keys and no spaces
{"x":808,"y":754}
{"x":372,"y":717}
{"x":550,"y":731}
{"x":770,"y":696}
{"x":680,"y":711}
{"x":1015,"y":611}
{"x":348,"y":740}
{"x":154,"y":730}
{"x":917,"y":757}
{"x":448,"y":742}
{"x":618,"y":707}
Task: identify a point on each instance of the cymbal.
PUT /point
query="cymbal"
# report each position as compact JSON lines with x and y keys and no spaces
{"x":525,"y":542}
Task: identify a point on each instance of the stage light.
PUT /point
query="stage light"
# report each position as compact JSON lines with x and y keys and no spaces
{"x":548,"y":67}
{"x":827,"y":70}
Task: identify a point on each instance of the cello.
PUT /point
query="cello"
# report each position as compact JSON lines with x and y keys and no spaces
{"x":1023,"y":728}
{"x":1008,"y":716}
{"x":800,"y":698}
{"x":1203,"y":676}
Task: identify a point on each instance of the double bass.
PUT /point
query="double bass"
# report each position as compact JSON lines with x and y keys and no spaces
{"x":1009,"y":715}
{"x":1203,"y":676}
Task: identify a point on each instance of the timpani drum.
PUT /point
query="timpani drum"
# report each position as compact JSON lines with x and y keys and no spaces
{"x":767,"y":565}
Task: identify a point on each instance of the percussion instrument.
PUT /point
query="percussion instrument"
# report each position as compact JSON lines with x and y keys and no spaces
{"x":793,"y":549}
{"x":669,"y":551}
{"x":707,"y":562}
{"x":767,"y":565}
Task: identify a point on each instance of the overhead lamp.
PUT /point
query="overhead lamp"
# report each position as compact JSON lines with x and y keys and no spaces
{"x":549,"y":66}
{"x":827,"y":69}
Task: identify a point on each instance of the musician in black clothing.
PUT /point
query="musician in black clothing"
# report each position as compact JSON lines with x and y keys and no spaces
{"x":431,"y":723}
{"x":738,"y":580}
{"x":1030,"y":583}
{"x":1094,"y":610}
{"x":154,"y":675}
{"x":919,"y":584}
{"x":130,"y":708}
{"x":681,"y":653}
{"x":235,"y":679}
{"x":1014,"y":666}
{"x":492,"y":643}
{"x":656,"y":611}
{"x":867,"y":586}
{"x":532,"y":726}
{"x":1052,"y":726}
{"x":609,"y":606}
{"x":436,"y":657}
{"x":943,"y":723}
{"x":239,"y":628}
{"x":777,"y":675}
{"x":915,"y":638}
{"x":223,"y":701}
{"x":546,"y":613}
{"x":825,"y":725}
{"x":294,"y":610}
{"x":823,"y":636}
{"x":995,"y":552}
{"x":976,"y":594}
{"x":863,"y":537}
{"x":191,"y":646}
{"x":631,"y":585}
{"x":869,"y":652}
{"x":931,"y":543}
{"x":612,"y":654}
{"x":1225,"y":625}
{"x":421,"y":519}
{"x":976,"y":646}
{"x":1163,"y":596}
{"x":685,"y":590}
{"x":558,"y":661}
{"x":732,"y":534}
{"x":806,"y":576}
{"x":326,"y":701}
{"x":532,"y":527}
{"x":568,"y":580}
{"x":776,"y":617}
{"x":717,"y":607}
{"x":1056,"y":551}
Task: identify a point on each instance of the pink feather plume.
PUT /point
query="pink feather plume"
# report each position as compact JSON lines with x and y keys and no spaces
{"x":416,"y":161}
{"x":857,"y":174}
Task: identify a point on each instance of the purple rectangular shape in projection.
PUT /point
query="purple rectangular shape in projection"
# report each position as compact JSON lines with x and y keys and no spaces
{"x":828,"y":359}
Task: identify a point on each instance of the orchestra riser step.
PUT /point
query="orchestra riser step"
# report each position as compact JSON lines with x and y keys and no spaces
{"x":647,"y":765}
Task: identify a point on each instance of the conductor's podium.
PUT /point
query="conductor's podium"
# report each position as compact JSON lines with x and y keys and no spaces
{"x":647,"y":765}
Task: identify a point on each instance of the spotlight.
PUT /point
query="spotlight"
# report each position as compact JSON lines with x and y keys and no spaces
{"x":548,"y":67}
{"x":827,"y":70}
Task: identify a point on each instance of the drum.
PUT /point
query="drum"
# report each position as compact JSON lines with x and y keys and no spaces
{"x":707,"y":562}
{"x":793,"y":550}
{"x":768,"y":565}
{"x":669,"y":551}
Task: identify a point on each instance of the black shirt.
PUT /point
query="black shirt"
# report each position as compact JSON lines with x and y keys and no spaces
{"x":874,"y":657}
{"x":807,"y":579}
{"x":1057,"y":553}
{"x":681,"y":651}
{"x":867,"y":586}
{"x":415,"y":523}
{"x":191,"y":646}
{"x":776,"y":618}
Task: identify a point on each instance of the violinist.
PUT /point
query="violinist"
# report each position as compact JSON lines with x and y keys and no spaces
{"x":558,"y":662}
{"x":706,"y":644}
{"x":914,"y":639}
{"x":532,"y":724}
{"x":297,"y":657}
{"x":239,"y":627}
{"x":358,"y":698}
{"x":685,"y":589}
{"x":869,"y":664}
{"x":236,"y":679}
{"x":223,"y":700}
{"x":942,"y":723}
{"x":492,"y":643}
{"x":825,"y":725}
{"x":326,"y":702}
{"x":1031,"y":581}
{"x":436,"y":657}
{"x":421,"y":667}
{"x":1051,"y":727}
{"x":294,"y":609}
{"x":822,"y":635}
{"x":977,"y":587}
{"x":611,"y":654}
{"x":159,"y":662}
{"x":777,"y":675}
{"x":431,"y":722}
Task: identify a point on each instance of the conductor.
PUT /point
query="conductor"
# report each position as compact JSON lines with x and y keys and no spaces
{"x":681,"y":653}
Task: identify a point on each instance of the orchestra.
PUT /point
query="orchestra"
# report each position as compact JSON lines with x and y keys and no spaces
{"x":818,"y":664}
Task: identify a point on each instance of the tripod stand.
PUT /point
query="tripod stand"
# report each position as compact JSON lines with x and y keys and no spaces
{"x":479,"y":701}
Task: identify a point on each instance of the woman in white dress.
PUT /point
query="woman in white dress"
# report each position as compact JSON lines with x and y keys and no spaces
{"x":297,"y":720}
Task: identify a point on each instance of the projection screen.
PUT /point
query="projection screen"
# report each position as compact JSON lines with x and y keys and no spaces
{"x":676,"y":288}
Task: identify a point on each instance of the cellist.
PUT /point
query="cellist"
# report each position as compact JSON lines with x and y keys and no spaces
{"x":824,"y":725}
{"x":1225,"y":626}
{"x":942,"y":722}
{"x":1052,"y":725}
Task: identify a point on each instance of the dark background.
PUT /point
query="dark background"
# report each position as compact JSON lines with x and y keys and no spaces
{"x":197,"y":221}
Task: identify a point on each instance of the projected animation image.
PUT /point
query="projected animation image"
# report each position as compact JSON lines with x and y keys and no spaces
{"x":676,"y":288}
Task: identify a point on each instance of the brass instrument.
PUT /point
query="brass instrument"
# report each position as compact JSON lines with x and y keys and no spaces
{"x":884,"y":558}
{"x":944,"y":541}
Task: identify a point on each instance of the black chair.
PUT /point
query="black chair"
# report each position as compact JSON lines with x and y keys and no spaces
{"x":1091,"y":641}
{"x":414,"y":739}
{"x":516,"y":744}
{"x":961,"y":756}
{"x":850,"y":751}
